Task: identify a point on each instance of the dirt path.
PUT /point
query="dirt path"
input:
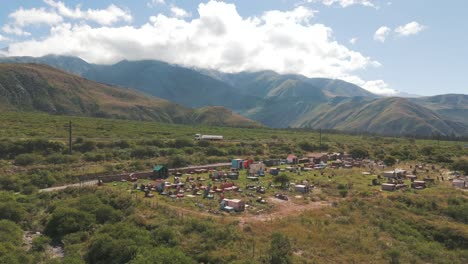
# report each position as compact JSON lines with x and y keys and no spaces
{"x":58,"y":188}
{"x":283,"y":209}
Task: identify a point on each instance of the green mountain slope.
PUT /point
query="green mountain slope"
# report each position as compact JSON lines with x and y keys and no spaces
{"x":33,"y":87}
{"x":171,"y":82}
{"x":273,"y":99}
{"x":388,"y":116}
{"x":66,"y":63}
{"x":261,"y":83}
{"x":451,"y":106}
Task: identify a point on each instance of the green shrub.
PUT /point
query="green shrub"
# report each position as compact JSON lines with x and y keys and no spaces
{"x":27,"y":159}
{"x":68,"y":220}
{"x":40,"y":243}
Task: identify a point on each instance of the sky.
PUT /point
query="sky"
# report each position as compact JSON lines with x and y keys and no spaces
{"x":385,"y":46}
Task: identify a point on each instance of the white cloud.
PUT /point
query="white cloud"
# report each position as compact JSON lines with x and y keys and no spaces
{"x":382,"y":33}
{"x":25,"y":17}
{"x":353,"y":40}
{"x":345,"y":3}
{"x":14,"y":30}
{"x":411,"y":28}
{"x":179,"y":12}
{"x":219,"y":38}
{"x":106,"y":17}
{"x":154,"y":3}
{"x":378,"y":87}
{"x":3,"y":38}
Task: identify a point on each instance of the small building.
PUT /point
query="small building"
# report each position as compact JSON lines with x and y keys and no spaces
{"x":459,"y":183}
{"x":274,"y":171}
{"x":237,"y":164}
{"x":418,"y":184}
{"x":302,"y":188}
{"x":257,"y":169}
{"x":292,"y":159}
{"x":247,"y":163}
{"x":160,"y":172}
{"x":388,"y":187}
{"x":233,"y":175}
{"x":272,"y":162}
{"x":394,"y":174}
{"x":334,"y":156}
{"x":317,"y":157}
{"x":236,"y":204}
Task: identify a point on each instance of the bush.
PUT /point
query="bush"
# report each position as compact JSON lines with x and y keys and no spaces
{"x":59,"y":158}
{"x":66,"y":221}
{"x":86,"y":146}
{"x":306,"y":146}
{"x":40,"y":243}
{"x":10,"y":233}
{"x":162,"y":255}
{"x":280,"y":249}
{"x":12,"y":211}
{"x":359,"y":153}
{"x":389,"y":161}
{"x":213,"y":151}
{"x":177,"y":161}
{"x":27,"y":159}
{"x":144,"y":152}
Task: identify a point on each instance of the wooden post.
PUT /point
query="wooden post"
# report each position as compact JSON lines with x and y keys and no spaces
{"x":70,"y":137}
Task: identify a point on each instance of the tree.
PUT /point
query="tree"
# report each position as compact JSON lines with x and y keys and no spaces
{"x":280,"y":249}
{"x":162,"y":255}
{"x":105,"y":249}
{"x":27,"y":159}
{"x":359,"y":153}
{"x":282,"y":178}
{"x":461,"y":165}
{"x":68,"y":220}
{"x":389,"y":160}
{"x":12,"y":210}
{"x":10,"y":233}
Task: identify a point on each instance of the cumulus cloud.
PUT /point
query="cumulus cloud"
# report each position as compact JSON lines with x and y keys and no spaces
{"x":345,"y":3}
{"x":382,"y":33}
{"x":105,"y":17}
{"x":25,"y":17}
{"x":154,"y":3}
{"x":3,"y":38}
{"x":218,"y":38}
{"x":353,"y":40}
{"x":179,"y":12}
{"x":14,"y":30}
{"x":411,"y":28}
{"x":378,"y":87}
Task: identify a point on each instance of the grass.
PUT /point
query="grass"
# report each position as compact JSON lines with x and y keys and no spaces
{"x":366,"y":225}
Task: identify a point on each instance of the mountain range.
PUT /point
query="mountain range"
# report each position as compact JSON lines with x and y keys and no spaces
{"x":275,"y":100}
{"x":38,"y":87}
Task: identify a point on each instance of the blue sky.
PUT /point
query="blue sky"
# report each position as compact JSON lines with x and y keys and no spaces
{"x":415,"y":47}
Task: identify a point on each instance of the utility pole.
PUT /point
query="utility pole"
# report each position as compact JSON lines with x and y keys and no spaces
{"x":70,"y":137}
{"x":320,"y":130}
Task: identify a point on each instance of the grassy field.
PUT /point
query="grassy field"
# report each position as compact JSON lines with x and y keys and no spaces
{"x":342,"y":220}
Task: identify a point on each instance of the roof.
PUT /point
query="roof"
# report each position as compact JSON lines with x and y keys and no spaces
{"x":159,"y":167}
{"x":316,"y":155}
{"x":233,"y":200}
{"x":292,"y":156}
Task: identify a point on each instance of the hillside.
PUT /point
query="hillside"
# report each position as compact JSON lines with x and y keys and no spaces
{"x":451,"y":106}
{"x":276,"y":100}
{"x":387,"y":116}
{"x":263,"y":82}
{"x":217,"y":115}
{"x":33,"y":87}
{"x":177,"y":84}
